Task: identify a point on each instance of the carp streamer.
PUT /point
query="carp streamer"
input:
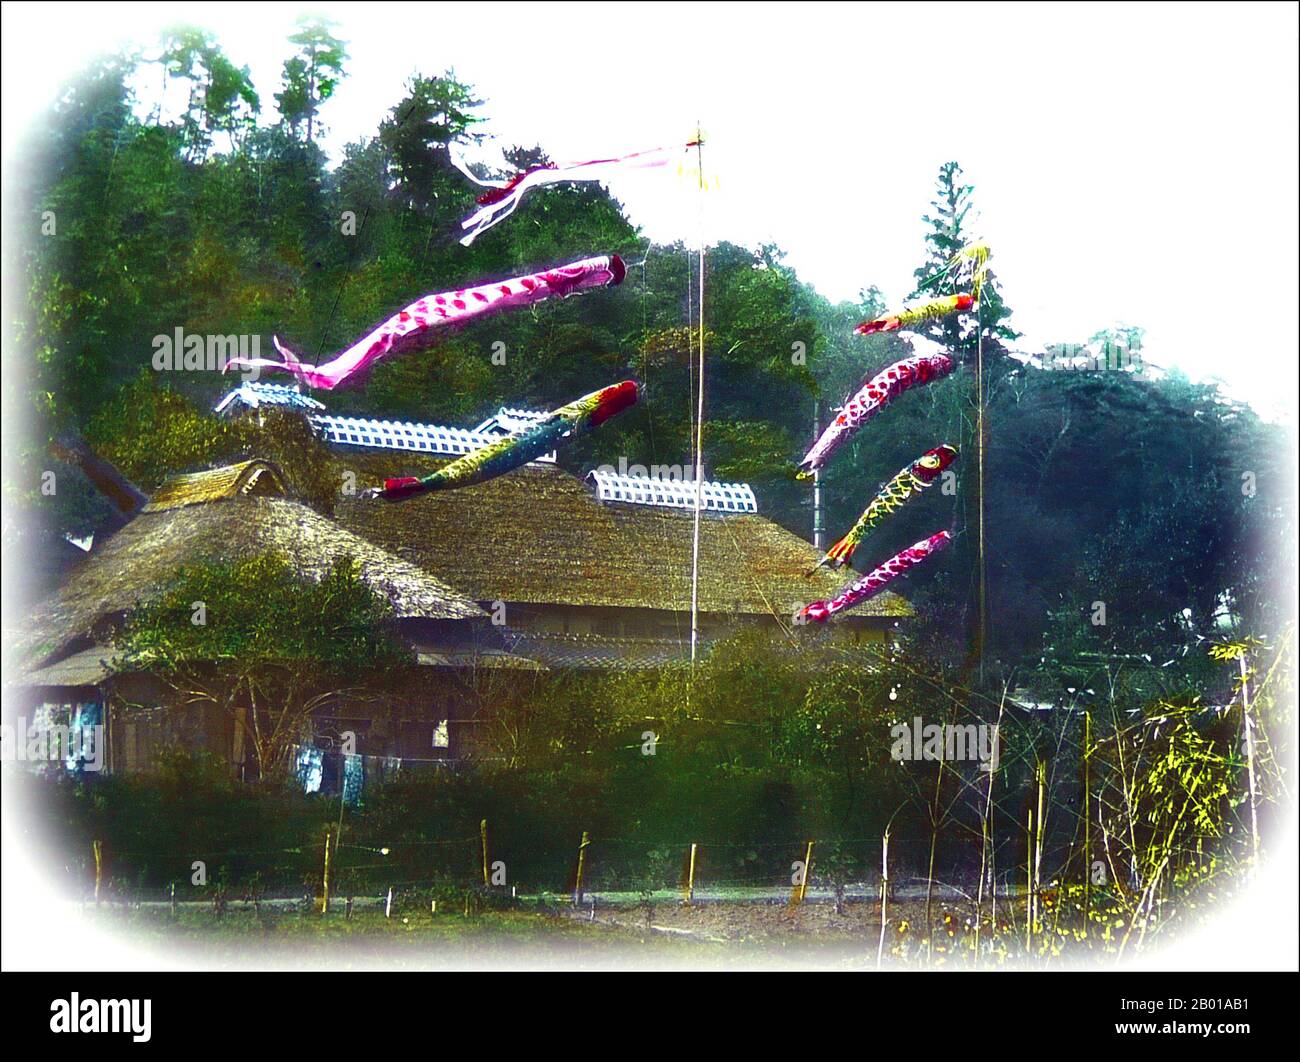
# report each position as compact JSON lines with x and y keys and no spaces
{"x":914,"y":315}
{"x":907,"y":484}
{"x":869,"y":400}
{"x":502,"y":197}
{"x":874,"y":581}
{"x":558,"y":428}
{"x":410,"y":328}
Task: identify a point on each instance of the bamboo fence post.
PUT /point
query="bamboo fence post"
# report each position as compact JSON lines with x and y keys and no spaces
{"x":582,"y":864}
{"x":483,"y":837}
{"x":1038,"y":838}
{"x":801,"y":889}
{"x":690,"y":875}
{"x":98,"y":847}
{"x":884,"y":895}
{"x":1250,"y":761}
{"x":325,"y":875}
{"x":1029,"y":878}
{"x":1087,"y":821}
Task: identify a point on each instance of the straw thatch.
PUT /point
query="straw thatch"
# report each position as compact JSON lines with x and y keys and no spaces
{"x":86,"y":668}
{"x":147,"y":554}
{"x":255,"y":478}
{"x":538,"y":535}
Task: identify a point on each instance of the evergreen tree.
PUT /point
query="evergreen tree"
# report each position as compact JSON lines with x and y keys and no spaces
{"x":221,"y":96}
{"x":951,"y":229}
{"x":310,"y":76}
{"x":436,"y":113}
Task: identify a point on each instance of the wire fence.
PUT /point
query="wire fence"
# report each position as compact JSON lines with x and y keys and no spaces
{"x":595,"y":869}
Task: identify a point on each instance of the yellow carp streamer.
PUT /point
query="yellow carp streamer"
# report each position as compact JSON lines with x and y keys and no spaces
{"x":907,"y":484}
{"x":911,"y":316}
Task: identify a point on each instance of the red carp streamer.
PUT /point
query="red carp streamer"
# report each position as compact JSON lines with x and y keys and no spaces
{"x":869,"y":400}
{"x":915,"y":315}
{"x":409,"y":329}
{"x":502,"y":197}
{"x":874,"y":581}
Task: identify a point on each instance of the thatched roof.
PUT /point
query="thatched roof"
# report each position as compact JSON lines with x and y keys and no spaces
{"x":86,"y":668}
{"x":538,"y":535}
{"x":254,"y":478}
{"x":146,"y":554}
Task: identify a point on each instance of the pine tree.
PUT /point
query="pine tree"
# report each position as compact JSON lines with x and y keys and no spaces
{"x":311,"y":76}
{"x":951,"y":229}
{"x":416,"y":137}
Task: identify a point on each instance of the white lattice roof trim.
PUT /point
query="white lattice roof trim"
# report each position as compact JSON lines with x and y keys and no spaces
{"x":404,"y":435}
{"x":255,"y":395}
{"x":673,"y":493}
{"x":512,"y":420}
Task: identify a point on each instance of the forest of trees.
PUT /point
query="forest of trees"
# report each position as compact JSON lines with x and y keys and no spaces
{"x":1152,"y":494}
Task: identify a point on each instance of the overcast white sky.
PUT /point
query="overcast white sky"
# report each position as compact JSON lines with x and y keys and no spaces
{"x":1132,"y":164}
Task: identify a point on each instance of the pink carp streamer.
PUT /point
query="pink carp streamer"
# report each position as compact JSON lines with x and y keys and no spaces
{"x":502,"y":197}
{"x":874,"y":581}
{"x":408,"y":330}
{"x":869,"y":400}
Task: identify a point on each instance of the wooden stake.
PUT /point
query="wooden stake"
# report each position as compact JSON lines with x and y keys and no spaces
{"x":1038,"y":838}
{"x":1029,"y":877}
{"x":1087,"y":821}
{"x":1250,"y":762}
{"x":98,"y":847}
{"x":325,"y":876}
{"x":690,"y":875}
{"x":801,"y":890}
{"x":173,"y":898}
{"x":482,"y":829}
{"x":388,"y":904}
{"x":582,"y":864}
{"x":884,"y":895}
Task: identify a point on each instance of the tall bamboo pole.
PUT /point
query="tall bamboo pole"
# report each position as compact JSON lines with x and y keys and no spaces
{"x":699,"y":425}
